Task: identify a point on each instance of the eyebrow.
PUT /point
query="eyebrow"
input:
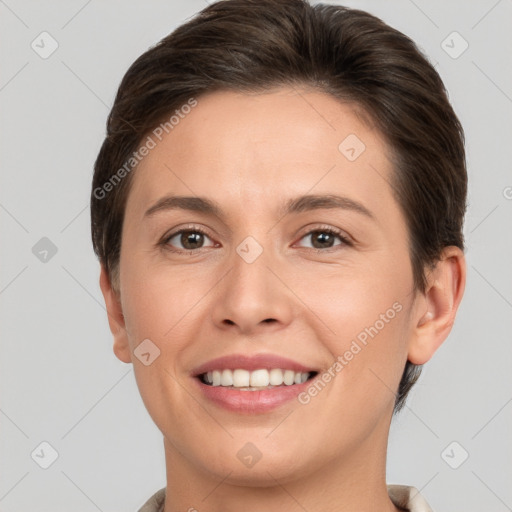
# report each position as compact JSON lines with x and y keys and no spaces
{"x":293,"y":205}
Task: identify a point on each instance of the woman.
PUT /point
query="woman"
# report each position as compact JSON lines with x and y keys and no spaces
{"x":277,"y":208}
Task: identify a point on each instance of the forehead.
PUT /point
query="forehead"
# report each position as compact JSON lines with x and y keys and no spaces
{"x":250,"y":150}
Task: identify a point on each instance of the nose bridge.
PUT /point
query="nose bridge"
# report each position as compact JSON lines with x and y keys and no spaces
{"x":251,"y":294}
{"x":251,"y":279}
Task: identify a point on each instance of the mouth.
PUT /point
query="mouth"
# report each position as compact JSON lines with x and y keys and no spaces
{"x":256,"y":380}
{"x":252,"y":384}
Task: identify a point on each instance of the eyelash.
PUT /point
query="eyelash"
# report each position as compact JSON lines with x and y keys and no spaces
{"x":320,"y":229}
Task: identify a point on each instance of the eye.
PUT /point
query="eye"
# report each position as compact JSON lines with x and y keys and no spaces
{"x":325,"y":238}
{"x":193,"y":239}
{"x":189,"y":239}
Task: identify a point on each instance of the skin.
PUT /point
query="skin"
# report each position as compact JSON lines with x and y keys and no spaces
{"x":251,"y":153}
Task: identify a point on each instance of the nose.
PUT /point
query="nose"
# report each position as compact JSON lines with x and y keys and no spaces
{"x":253,"y":297}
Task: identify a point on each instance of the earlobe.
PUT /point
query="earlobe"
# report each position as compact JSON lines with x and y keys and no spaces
{"x":438,"y":305}
{"x":116,"y":320}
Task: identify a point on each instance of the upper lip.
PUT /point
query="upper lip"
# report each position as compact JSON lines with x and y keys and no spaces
{"x":254,"y":362}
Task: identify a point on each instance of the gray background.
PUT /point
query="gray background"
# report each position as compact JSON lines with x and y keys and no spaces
{"x":59,"y":379}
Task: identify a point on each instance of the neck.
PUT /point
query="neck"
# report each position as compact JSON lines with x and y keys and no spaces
{"x":353,"y":481}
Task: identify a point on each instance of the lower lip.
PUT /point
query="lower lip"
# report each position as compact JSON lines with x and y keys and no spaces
{"x":252,"y":402}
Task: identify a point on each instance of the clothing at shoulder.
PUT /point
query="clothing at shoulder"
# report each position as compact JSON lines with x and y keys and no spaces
{"x":155,"y":503}
{"x":407,"y":498}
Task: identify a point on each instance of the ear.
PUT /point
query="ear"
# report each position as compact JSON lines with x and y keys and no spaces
{"x":115,"y":318}
{"x":436,"y":308}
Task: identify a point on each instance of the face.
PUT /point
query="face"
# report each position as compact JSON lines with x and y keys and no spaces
{"x":324,"y":283}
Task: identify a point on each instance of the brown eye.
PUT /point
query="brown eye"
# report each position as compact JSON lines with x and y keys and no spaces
{"x":187,"y":240}
{"x":191,"y":240}
{"x":322,"y":239}
{"x":325,"y":238}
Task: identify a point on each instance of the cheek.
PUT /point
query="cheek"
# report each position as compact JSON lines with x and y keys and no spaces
{"x":349,"y":299}
{"x":368,"y":333}
{"x":160,"y":298}
{"x":159,"y":306}
{"x":364,"y":324}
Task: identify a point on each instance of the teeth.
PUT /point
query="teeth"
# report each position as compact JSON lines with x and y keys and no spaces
{"x":226,"y":378}
{"x":276,"y":376}
{"x":216,"y":378}
{"x":289,"y":377}
{"x":241,"y":378}
{"x":260,"y":378}
{"x":251,"y":381}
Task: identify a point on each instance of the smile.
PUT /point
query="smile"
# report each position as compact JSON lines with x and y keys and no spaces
{"x":254,"y":380}
{"x":252,"y":384}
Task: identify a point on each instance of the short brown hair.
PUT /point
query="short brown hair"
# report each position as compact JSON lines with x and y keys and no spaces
{"x":256,"y":45}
